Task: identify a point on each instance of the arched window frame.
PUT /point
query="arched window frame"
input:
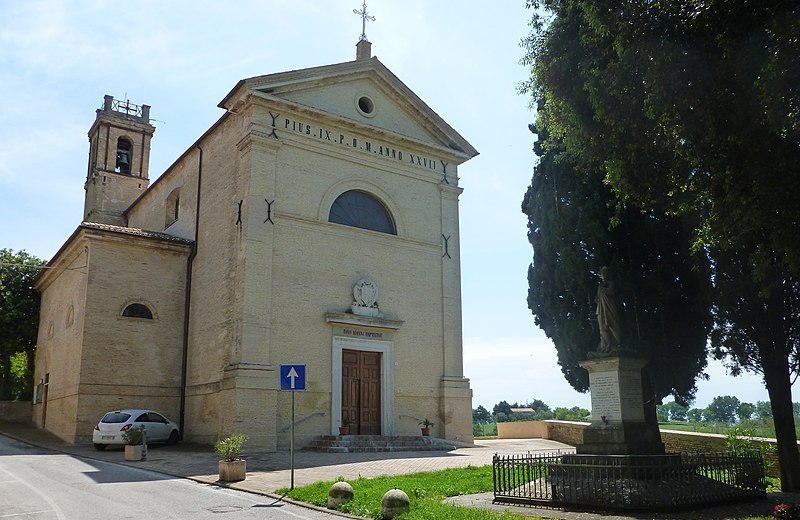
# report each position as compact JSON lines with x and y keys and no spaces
{"x":365,"y":210}
{"x":134,"y":307}
{"x":369,"y":188}
{"x":172,"y":207}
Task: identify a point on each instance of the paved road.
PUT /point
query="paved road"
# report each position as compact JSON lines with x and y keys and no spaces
{"x":38,"y":483}
{"x":267,"y":472}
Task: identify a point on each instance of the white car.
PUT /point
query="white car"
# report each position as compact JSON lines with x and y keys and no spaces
{"x":113,"y":424}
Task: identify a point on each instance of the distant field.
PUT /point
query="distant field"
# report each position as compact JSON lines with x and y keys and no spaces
{"x":758,"y":429}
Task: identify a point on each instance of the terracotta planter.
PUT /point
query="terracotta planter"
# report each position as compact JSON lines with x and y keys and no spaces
{"x":426,"y":432}
{"x":344,"y":430}
{"x":232,"y":471}
{"x":134,"y":452}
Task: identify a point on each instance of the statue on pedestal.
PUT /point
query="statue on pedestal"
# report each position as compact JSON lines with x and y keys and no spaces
{"x":609,"y":315}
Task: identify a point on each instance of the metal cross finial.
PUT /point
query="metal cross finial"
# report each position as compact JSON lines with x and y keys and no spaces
{"x":364,"y":17}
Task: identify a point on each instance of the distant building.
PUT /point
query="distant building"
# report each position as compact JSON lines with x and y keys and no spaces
{"x":523,"y":410}
{"x":316,"y":222}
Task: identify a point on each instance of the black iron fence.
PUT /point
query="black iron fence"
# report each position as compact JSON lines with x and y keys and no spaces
{"x":628,"y":481}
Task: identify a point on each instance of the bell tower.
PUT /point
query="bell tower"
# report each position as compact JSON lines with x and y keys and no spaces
{"x":119,"y":156}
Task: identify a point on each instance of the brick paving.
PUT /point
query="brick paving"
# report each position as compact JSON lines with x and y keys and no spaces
{"x":268,"y":472}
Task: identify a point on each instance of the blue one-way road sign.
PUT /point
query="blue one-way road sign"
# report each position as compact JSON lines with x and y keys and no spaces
{"x":293,"y":377}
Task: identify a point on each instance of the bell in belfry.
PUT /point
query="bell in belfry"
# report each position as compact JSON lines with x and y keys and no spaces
{"x":123,"y":161}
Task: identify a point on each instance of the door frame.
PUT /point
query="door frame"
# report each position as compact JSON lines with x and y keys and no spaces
{"x":386,"y":349}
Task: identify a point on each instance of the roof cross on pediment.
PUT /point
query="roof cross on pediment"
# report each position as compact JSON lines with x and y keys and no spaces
{"x":365,"y":16}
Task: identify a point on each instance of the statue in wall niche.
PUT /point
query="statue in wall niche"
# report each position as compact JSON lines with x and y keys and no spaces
{"x":609,"y":315}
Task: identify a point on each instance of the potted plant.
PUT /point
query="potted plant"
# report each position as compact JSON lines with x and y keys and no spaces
{"x":426,"y":426}
{"x":344,"y":429}
{"x":135,"y":446}
{"x":232,"y":468}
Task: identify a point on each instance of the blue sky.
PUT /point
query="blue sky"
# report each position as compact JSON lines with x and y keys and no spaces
{"x":58,"y":59}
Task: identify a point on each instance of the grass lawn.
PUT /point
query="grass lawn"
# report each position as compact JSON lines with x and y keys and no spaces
{"x":425,"y":491}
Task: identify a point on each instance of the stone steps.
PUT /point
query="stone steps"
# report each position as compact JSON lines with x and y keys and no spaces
{"x":376,"y":444}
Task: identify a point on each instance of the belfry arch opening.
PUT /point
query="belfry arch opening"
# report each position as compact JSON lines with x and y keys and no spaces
{"x":124,"y":156}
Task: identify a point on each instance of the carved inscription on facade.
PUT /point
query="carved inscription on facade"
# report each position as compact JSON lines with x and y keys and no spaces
{"x":333,"y":136}
{"x":363,"y":333}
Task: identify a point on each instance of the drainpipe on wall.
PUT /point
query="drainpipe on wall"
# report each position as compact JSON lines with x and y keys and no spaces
{"x":187,"y":303}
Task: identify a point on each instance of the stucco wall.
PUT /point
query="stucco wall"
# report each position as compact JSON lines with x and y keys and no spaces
{"x":523,"y":430}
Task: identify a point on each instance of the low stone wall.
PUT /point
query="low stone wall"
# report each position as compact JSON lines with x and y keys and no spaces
{"x":571,"y":433}
{"x":568,"y":432}
{"x":522,"y":430}
{"x":15,"y":411}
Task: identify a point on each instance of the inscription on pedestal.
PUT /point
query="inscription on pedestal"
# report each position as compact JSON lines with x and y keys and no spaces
{"x":631,"y":403}
{"x":605,"y":396}
{"x":618,"y":426}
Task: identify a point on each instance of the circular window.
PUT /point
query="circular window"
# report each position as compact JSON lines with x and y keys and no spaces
{"x":365,"y":106}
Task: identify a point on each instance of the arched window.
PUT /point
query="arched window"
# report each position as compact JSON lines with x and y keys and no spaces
{"x":362,"y":210}
{"x":137,"y":310}
{"x":124,"y":149}
{"x":173,"y":204}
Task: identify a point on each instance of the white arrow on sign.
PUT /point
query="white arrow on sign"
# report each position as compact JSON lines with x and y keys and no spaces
{"x":292,"y":375}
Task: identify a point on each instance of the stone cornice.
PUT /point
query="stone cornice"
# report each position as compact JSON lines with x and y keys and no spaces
{"x":345,"y":318}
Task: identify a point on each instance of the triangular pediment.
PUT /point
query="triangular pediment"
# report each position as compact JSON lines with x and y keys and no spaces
{"x":363,"y":91}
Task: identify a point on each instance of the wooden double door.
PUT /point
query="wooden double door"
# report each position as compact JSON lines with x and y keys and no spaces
{"x":361,"y":391}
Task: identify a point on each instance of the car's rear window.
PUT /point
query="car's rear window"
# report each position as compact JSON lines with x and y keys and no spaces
{"x":115,"y":417}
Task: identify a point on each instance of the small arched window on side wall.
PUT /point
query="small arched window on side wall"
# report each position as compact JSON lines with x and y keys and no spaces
{"x":124,"y":155}
{"x":173,"y":204}
{"x":138,"y":310}
{"x":360,"y":209}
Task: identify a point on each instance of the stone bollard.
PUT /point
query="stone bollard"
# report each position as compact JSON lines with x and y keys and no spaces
{"x":395,"y":502}
{"x":340,"y":493}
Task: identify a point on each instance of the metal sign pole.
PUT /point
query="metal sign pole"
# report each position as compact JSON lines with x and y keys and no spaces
{"x":293,"y":378}
{"x":291,"y":446}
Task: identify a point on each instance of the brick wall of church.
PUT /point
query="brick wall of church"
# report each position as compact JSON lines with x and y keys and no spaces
{"x":60,"y":343}
{"x":132,"y":362}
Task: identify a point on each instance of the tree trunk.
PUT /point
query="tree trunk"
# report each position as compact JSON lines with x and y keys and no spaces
{"x":5,"y":376}
{"x":776,"y":378}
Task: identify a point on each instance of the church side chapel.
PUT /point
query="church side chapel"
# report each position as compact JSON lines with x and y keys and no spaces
{"x":316,"y":223}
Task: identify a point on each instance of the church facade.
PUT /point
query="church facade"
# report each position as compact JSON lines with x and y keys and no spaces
{"x":315,"y":223}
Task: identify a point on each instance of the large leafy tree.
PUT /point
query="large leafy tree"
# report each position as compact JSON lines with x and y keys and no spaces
{"x":694,"y":106}
{"x":19,"y":320}
{"x":757,"y":328}
{"x":481,"y":415}
{"x":576,"y":226}
{"x":723,"y":409}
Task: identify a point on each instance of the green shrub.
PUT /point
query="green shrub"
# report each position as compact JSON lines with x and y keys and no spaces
{"x":134,"y":436}
{"x":229,"y":449}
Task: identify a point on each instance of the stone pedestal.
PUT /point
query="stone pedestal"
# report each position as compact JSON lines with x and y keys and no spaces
{"x":618,"y":423}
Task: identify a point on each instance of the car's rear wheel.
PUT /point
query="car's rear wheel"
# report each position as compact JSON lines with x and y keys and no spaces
{"x":174,"y":437}
{"x":100,"y":447}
